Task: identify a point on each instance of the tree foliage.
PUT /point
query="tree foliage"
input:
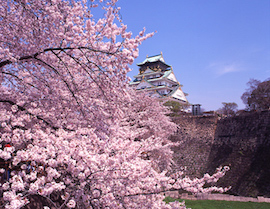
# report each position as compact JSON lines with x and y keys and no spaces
{"x":69,"y":124}
{"x":229,"y":108}
{"x":175,"y":106}
{"x":257,"y":96}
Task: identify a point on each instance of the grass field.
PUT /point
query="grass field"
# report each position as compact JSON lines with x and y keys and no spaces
{"x":213,"y":204}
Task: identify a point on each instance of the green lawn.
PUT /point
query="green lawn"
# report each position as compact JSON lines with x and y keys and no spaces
{"x":213,"y":204}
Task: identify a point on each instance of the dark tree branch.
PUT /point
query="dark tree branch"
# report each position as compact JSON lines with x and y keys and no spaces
{"x":84,"y":68}
{"x":7,"y":73}
{"x":66,"y":83}
{"x":27,"y":57}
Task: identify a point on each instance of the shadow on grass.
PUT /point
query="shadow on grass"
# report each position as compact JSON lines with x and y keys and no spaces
{"x":215,"y":204}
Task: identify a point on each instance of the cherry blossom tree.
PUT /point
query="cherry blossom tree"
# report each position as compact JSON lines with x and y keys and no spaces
{"x":69,"y":124}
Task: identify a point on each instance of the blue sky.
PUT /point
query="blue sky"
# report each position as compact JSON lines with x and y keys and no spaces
{"x":214,"y":46}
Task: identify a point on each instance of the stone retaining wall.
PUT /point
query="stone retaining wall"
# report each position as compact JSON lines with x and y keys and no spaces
{"x":197,"y":135}
{"x":241,"y":142}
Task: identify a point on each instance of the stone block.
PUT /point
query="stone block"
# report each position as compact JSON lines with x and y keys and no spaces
{"x":173,"y":194}
{"x":184,"y":195}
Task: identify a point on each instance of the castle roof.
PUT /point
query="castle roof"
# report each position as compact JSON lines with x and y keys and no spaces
{"x":155,"y":58}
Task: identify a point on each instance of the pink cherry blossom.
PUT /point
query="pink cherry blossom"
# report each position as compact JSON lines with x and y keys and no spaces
{"x":70,"y":124}
{"x":71,"y":204}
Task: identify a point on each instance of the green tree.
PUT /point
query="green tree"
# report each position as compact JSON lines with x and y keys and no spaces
{"x":257,"y":96}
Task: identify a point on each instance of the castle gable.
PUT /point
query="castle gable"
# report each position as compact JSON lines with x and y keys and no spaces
{"x":172,"y":77}
{"x":179,"y":95}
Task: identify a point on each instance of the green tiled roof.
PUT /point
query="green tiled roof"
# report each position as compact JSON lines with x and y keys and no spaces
{"x":155,"y":58}
{"x":134,"y":82}
{"x":167,"y":73}
{"x":172,"y":91}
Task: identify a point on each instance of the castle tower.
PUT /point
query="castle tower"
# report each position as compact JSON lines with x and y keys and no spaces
{"x":158,"y":80}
